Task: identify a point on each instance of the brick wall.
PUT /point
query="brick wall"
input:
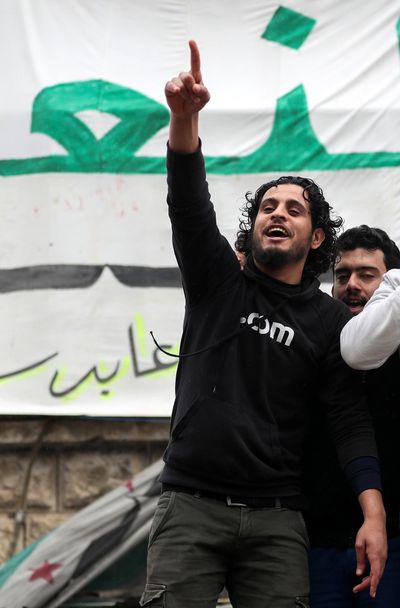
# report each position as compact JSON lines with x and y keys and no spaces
{"x":79,"y":460}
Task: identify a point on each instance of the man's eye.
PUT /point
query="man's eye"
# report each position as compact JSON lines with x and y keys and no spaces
{"x":367,"y":277}
{"x":294,"y":212}
{"x":268,"y":209}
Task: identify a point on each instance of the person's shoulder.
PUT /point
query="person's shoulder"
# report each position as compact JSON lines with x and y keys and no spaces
{"x":392,"y":277}
{"x":334,"y":314}
{"x":332,"y":305}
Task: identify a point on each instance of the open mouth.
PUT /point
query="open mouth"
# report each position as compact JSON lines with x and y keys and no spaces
{"x":277,"y":232}
{"x":355,"y":304}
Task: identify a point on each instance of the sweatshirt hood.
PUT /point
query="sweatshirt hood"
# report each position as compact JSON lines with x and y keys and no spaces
{"x":302,"y":292}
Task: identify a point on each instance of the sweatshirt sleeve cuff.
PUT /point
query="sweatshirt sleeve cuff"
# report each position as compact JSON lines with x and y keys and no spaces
{"x":186,"y":177}
{"x":364,"y":473}
{"x":171,"y":154}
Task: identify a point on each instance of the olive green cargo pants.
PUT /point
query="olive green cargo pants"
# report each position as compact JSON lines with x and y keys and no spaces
{"x":198,"y":545}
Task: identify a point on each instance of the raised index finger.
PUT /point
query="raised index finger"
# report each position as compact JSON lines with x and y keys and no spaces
{"x":195,"y":61}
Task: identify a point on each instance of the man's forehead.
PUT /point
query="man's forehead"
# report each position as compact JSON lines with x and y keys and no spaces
{"x":286,"y":191}
{"x":361,"y":258}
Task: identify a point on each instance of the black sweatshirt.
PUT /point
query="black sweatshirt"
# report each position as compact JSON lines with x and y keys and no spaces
{"x":266,"y":353}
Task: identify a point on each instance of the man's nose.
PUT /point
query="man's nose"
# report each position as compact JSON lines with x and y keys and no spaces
{"x":353,"y":283}
{"x":280,"y":211}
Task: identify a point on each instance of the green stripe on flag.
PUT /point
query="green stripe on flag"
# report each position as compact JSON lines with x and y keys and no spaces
{"x":9,"y":567}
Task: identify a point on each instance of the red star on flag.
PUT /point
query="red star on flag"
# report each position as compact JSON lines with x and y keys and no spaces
{"x":45,"y":571}
{"x":130,"y":485}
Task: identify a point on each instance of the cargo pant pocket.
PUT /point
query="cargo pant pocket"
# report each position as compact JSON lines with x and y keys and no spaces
{"x":164,"y":507}
{"x":153,"y":596}
{"x":304,"y":532}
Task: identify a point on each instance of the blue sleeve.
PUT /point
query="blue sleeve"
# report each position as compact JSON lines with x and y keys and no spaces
{"x":364,"y":473}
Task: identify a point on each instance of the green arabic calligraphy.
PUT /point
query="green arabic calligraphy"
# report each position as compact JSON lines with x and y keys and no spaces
{"x":291,"y":146}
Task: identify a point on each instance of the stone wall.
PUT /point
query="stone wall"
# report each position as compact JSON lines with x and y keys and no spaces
{"x":78,"y":461}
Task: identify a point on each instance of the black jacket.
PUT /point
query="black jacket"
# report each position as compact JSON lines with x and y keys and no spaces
{"x":266,"y":351}
{"x":335,"y":517}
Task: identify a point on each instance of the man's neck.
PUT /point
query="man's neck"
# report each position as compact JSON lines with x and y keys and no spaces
{"x":290,"y":274}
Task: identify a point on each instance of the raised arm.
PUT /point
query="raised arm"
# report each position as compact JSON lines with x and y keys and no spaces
{"x":369,"y":338}
{"x":204,"y":256}
{"x":186,"y":95}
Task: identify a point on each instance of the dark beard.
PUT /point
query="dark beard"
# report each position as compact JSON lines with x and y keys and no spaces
{"x":276,"y":258}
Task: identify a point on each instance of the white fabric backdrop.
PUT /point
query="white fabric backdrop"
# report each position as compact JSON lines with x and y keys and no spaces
{"x":74,"y":202}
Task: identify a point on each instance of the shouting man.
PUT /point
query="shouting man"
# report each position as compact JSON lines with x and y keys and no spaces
{"x":258,"y":347}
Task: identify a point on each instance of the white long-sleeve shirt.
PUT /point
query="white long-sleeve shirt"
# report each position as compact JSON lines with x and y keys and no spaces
{"x":369,"y":338}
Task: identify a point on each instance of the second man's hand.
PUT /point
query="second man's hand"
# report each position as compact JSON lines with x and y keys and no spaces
{"x":371,"y":544}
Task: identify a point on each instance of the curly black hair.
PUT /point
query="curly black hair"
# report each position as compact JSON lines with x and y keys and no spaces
{"x":318,"y":260}
{"x":365,"y":237}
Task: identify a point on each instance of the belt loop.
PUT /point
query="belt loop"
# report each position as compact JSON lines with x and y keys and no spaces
{"x":277,"y":503}
{"x":231,"y":503}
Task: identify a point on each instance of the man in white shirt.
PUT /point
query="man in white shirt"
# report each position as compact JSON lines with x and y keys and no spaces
{"x":364,"y":256}
{"x":369,"y":340}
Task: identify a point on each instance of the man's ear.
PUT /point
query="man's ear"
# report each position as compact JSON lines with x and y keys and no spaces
{"x":241,"y":259}
{"x":317,"y":238}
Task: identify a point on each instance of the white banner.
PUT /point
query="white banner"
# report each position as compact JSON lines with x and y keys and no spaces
{"x":86,"y":263}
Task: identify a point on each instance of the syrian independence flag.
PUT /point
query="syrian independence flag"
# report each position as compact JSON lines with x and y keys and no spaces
{"x":80,"y":549}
